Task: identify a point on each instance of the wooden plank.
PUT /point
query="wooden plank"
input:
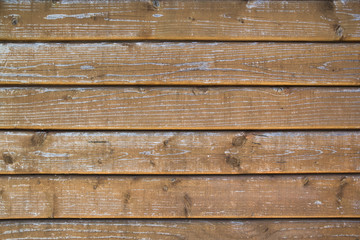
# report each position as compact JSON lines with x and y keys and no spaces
{"x":180,"y":20}
{"x":180,"y":229}
{"x":179,"y":108}
{"x":179,"y":152}
{"x":170,"y":63}
{"x":276,"y":196}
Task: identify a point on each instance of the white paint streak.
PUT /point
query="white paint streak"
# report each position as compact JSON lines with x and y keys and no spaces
{"x":86,"y":67}
{"x":51,"y":155}
{"x":78,"y":16}
{"x":255,"y":4}
{"x":157,"y":15}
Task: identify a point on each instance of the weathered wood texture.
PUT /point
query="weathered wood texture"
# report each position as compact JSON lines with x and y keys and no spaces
{"x":179,"y":108}
{"x":180,"y":229}
{"x":220,"y":63}
{"x":180,"y":20}
{"x":179,"y":152}
{"x":279,"y":196}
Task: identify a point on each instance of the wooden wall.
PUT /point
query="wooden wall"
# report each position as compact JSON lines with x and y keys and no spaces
{"x":180,"y":119}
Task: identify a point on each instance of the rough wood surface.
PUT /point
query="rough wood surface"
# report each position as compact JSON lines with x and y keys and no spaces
{"x":279,"y":196}
{"x":188,"y":108}
{"x":179,"y":152}
{"x":180,"y":229}
{"x":170,"y":63}
{"x":180,"y":20}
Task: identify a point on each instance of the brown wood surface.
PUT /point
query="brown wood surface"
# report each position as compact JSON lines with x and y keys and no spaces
{"x":300,"y":60}
{"x":279,"y":196}
{"x":188,"y":108}
{"x":180,"y":229}
{"x":170,"y":63}
{"x":179,"y":152}
{"x":180,"y":20}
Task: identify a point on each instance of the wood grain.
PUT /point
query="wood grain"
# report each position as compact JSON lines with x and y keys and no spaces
{"x":179,"y":152}
{"x":279,"y":196}
{"x":160,"y":108}
{"x":169,"y":63}
{"x":180,"y":20}
{"x":180,"y":229}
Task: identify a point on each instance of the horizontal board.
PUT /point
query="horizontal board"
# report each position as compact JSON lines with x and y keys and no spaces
{"x":179,"y":108}
{"x":179,"y":152}
{"x":180,"y":229}
{"x":170,"y":63}
{"x":180,"y":20}
{"x":279,"y":196}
